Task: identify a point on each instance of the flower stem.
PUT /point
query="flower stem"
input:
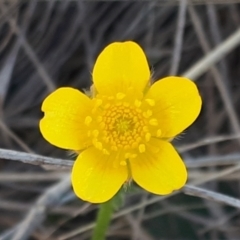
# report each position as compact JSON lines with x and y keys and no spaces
{"x":103,"y":220}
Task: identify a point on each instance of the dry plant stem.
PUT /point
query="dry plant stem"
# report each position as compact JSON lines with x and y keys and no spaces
{"x":170,"y":208}
{"x":194,"y":175}
{"x":34,"y":158}
{"x":77,"y":212}
{"x":213,"y":57}
{"x":88,"y":227}
{"x":217,"y":76}
{"x":15,"y":207}
{"x":178,"y":37}
{"x":207,"y":141}
{"x":67,"y":164}
{"x":12,"y":135}
{"x":137,"y":231}
{"x":217,"y":38}
{"x":37,"y":213}
{"x":30,"y":52}
{"x":209,"y":195}
{"x":208,"y":161}
{"x":220,"y":222}
{"x":31,"y":177}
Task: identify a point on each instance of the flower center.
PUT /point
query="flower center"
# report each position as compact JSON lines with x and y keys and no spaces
{"x":123,"y":126}
{"x":122,"y":123}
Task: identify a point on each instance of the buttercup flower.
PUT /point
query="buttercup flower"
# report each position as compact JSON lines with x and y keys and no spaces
{"x":123,"y":131}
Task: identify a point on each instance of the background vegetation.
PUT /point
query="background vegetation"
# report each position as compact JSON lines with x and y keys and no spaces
{"x":48,"y":44}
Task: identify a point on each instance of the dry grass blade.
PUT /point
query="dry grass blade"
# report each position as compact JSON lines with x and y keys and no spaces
{"x":44,"y":44}
{"x":36,"y":215}
{"x":209,"y":195}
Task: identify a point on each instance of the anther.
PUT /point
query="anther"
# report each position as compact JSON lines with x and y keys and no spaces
{"x":95,"y":133}
{"x":159,"y":132}
{"x":145,"y":129}
{"x":88,"y":120}
{"x":98,"y":102}
{"x":133,"y":155}
{"x":123,"y":163}
{"x":105,"y":151}
{"x":137,"y":103}
{"x":141,"y":148}
{"x":151,"y":102}
{"x":147,"y":114}
{"x":153,"y":122}
{"x":120,"y":96}
{"x":147,"y":136}
{"x":99,"y":145}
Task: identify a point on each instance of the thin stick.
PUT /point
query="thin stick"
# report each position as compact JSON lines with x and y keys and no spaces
{"x":207,"y":141}
{"x":213,"y":57}
{"x":210,"y":195}
{"x":178,"y":37}
{"x":37,"y":212}
{"x":30,"y":52}
{"x":34,"y":158}
{"x":208,"y":161}
{"x":67,"y":164}
{"x":225,"y":95}
{"x":151,"y":201}
{"x":31,"y":177}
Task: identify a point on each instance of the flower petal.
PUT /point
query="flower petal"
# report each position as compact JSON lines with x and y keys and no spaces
{"x":178,"y":104}
{"x":159,"y":173}
{"x":63,"y":124}
{"x":121,"y":66}
{"x":95,"y":178}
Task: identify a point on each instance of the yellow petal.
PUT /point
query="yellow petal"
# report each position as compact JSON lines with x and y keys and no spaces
{"x":121,"y":66}
{"x":177,"y":104}
{"x":95,"y":177}
{"x":63,"y":123}
{"x":159,"y":173}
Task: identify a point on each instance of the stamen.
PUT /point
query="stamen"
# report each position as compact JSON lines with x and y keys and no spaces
{"x":137,"y":103}
{"x":123,"y":126}
{"x":142,"y":148}
{"x":153,"y":122}
{"x":159,"y":132}
{"x":98,"y":102}
{"x":147,"y":136}
{"x":99,"y":145}
{"x":150,"y":101}
{"x":105,"y":151}
{"x":123,"y":163}
{"x":147,"y":114}
{"x":95,"y":133}
{"x":120,"y":96}
{"x":88,"y":120}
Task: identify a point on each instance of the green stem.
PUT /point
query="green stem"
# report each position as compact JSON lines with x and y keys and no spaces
{"x":103,"y":220}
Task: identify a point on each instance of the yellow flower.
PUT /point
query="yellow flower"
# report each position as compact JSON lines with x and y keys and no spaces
{"x":123,"y":131}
